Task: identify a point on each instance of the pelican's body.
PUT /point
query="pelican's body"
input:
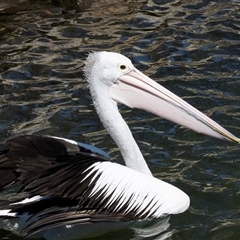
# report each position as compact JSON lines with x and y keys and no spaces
{"x":68,"y":183}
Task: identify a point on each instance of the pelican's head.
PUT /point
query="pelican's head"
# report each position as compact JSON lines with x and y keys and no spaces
{"x":129,"y":86}
{"x":107,"y":66}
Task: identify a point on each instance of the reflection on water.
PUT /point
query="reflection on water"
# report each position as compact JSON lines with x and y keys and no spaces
{"x":190,"y":47}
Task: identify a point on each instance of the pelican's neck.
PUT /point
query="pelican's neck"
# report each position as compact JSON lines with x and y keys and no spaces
{"x":118,"y":129}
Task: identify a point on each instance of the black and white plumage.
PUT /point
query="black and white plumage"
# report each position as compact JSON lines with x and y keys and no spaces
{"x":79,"y":187}
{"x":65,"y":182}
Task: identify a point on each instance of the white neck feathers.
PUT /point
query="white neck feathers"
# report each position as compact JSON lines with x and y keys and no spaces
{"x":118,"y":129}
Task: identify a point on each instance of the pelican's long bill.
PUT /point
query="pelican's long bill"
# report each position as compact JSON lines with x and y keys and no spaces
{"x":135,"y":89}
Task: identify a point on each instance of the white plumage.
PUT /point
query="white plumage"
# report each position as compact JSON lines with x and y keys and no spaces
{"x":142,"y":194}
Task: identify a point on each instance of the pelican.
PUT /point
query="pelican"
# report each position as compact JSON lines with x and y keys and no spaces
{"x":68,"y":183}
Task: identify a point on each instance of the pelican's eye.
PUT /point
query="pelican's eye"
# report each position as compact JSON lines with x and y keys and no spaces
{"x":123,"y":68}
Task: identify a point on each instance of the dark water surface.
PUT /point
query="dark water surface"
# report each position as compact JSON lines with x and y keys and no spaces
{"x":190,"y":47}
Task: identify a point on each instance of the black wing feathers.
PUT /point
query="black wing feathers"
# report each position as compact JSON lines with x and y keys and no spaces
{"x":7,"y":170}
{"x":26,"y":158}
{"x":63,"y":178}
{"x":53,"y":167}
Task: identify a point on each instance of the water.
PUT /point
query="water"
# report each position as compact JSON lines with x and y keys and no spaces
{"x":190,"y":47}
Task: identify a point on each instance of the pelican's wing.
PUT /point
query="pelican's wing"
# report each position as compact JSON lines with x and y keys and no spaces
{"x":101,"y":191}
{"x":28,"y":154}
{"x":78,"y":188}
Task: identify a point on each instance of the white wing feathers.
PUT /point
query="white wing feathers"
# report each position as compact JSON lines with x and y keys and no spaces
{"x":128,"y":189}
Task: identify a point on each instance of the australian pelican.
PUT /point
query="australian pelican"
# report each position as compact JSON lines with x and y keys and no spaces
{"x":66,"y":183}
